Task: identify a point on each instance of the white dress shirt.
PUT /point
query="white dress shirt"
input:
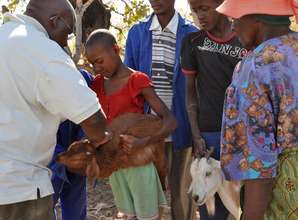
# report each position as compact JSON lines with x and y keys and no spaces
{"x":39,"y":88}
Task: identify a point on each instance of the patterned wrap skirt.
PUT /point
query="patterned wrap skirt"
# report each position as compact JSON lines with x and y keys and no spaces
{"x":284,"y":204}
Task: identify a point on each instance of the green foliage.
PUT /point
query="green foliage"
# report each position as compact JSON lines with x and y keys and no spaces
{"x":12,"y":5}
{"x":134,"y":11}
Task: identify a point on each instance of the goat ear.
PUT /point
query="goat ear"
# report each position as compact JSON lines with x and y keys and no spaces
{"x":193,"y":166}
{"x":214,"y":163}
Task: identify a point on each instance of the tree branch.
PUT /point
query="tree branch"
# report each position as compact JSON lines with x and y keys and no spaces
{"x":79,"y":3}
{"x":121,"y":32}
{"x":117,"y":28}
{"x":117,"y":12}
{"x":4,"y":9}
{"x":86,"y":5}
{"x":125,"y":2}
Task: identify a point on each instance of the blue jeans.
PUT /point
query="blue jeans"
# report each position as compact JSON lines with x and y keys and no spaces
{"x":70,"y":188}
{"x":221,"y":213}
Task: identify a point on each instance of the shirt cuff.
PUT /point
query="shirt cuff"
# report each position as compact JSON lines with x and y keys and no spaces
{"x":189,"y":72}
{"x":77,"y":119}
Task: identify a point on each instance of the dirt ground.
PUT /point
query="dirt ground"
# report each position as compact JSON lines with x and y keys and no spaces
{"x":101,"y":203}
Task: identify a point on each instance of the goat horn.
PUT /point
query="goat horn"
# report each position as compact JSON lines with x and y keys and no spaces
{"x":209,"y":152}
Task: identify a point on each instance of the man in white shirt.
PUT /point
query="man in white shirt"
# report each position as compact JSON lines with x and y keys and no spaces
{"x":39,"y":88}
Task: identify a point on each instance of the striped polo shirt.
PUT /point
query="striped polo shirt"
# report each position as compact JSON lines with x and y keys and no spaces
{"x":163,"y":57}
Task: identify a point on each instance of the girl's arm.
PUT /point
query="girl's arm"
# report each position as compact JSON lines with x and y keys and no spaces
{"x":158,"y":106}
{"x":168,"y":121}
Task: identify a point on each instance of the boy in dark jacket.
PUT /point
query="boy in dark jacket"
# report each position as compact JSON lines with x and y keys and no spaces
{"x":208,"y":59}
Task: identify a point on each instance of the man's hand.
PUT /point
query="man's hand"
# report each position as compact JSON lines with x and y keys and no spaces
{"x":95,"y":128}
{"x":199,"y":147}
{"x":128,"y":142}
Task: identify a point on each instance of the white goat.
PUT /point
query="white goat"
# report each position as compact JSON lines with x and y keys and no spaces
{"x":207,"y":180}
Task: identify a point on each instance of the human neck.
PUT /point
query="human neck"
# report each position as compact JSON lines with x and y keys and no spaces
{"x":31,"y":14}
{"x":269,"y":32}
{"x":164,"y":19}
{"x":223,"y":29}
{"x":121,"y":71}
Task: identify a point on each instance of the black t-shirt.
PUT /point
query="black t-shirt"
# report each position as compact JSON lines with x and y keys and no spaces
{"x":213,"y":60}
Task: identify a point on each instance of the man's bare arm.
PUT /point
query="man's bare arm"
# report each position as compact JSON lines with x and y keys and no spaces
{"x":199,"y":147}
{"x":95,"y":128}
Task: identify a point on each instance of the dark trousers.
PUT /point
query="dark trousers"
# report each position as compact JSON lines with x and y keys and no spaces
{"x":39,"y":209}
{"x":73,"y":196}
{"x":179,"y":179}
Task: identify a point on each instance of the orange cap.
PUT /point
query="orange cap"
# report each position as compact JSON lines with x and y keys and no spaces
{"x":238,"y":8}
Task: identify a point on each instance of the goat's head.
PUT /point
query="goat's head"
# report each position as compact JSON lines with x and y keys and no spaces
{"x":206,"y":179}
{"x":78,"y":156}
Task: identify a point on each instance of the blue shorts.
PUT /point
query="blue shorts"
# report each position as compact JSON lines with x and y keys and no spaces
{"x":212,"y":139}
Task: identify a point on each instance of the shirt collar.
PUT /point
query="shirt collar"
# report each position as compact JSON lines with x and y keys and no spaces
{"x":26,"y":20}
{"x":172,"y":26}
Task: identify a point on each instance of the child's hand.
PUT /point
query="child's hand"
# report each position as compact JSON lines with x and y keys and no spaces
{"x":199,"y":147}
{"x":107,"y":138}
{"x":92,"y":170}
{"x":128,"y":142}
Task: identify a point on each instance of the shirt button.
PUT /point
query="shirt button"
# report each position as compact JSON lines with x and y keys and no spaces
{"x":158,"y":74}
{"x":160,"y":41}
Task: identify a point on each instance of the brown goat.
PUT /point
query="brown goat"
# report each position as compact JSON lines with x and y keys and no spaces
{"x":110,"y":157}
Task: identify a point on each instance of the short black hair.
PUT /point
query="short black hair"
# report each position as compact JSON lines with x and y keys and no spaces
{"x":101,"y":36}
{"x":275,"y":20}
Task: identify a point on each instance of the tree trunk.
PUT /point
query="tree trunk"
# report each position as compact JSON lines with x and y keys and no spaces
{"x":91,"y":14}
{"x":78,"y":50}
{"x":96,"y":16}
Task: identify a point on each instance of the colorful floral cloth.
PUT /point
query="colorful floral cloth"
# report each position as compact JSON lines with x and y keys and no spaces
{"x":260,"y":118}
{"x":284,"y":203}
